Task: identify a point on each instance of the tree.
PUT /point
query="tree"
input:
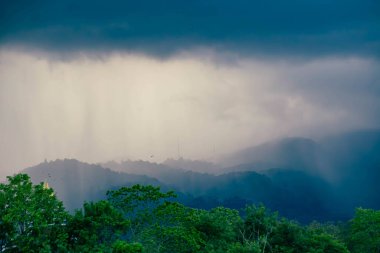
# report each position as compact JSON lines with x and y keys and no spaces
{"x":248,"y":247}
{"x":159,"y":224}
{"x":258,"y":225}
{"x":289,"y":236}
{"x":143,"y":219}
{"x":124,"y":247}
{"x":322,"y":243}
{"x":171,"y":229}
{"x":96,"y":227}
{"x":32,"y":219}
{"x":219,"y":228}
{"x":137,"y":203}
{"x":365,"y":231}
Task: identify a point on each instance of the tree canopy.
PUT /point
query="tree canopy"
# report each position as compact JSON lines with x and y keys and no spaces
{"x":144,"y":219}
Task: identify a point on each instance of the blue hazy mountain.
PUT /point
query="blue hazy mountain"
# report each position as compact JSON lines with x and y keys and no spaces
{"x":288,"y":153}
{"x":193,"y":165}
{"x":301,"y":178}
{"x":304,"y":197}
{"x":350,"y":162}
{"x":75,"y":181}
{"x":333,"y":157}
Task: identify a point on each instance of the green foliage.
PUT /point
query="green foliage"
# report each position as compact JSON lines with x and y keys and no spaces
{"x":161,"y":225}
{"x":288,"y":236}
{"x":272,"y":234}
{"x":96,"y":227}
{"x":258,"y":225}
{"x":292,"y":237}
{"x":248,"y":247}
{"x":365,"y":231}
{"x":219,"y":228}
{"x":137,"y":203}
{"x":142,"y":219}
{"x":172,"y":230}
{"x":32,"y":219}
{"x":322,"y":243}
{"x":337,"y":230}
{"x":138,"y":198}
{"x":124,"y":247}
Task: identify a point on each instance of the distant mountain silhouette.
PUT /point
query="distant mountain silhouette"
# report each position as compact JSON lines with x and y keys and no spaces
{"x":349,"y":161}
{"x":193,"y":165}
{"x":178,"y":178}
{"x":301,"y":178}
{"x":332,"y":157}
{"x":296,"y":194}
{"x":288,"y":153}
{"x":75,"y":181}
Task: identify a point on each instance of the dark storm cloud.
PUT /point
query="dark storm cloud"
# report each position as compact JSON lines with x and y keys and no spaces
{"x":300,"y":28}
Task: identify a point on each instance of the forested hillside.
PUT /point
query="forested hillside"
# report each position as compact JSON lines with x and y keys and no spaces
{"x":298,"y":177}
{"x":295,"y":194}
{"x":146,"y":219}
{"x":76,"y":182}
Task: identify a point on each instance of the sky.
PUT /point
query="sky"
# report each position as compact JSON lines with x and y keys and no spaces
{"x":101,"y":80}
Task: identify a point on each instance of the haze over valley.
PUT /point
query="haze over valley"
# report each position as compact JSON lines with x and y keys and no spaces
{"x":296,"y":176}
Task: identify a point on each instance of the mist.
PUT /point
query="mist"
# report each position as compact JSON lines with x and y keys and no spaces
{"x":194,"y":104}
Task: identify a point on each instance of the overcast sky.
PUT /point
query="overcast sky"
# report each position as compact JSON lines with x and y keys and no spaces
{"x":100,"y":80}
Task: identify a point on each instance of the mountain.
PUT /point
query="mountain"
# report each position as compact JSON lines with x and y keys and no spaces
{"x":349,"y":161}
{"x":177,"y":178}
{"x":288,"y":153}
{"x":301,"y":178}
{"x":296,"y":194}
{"x":333,"y":157}
{"x":193,"y":165}
{"x":305,"y":197}
{"x":75,"y":182}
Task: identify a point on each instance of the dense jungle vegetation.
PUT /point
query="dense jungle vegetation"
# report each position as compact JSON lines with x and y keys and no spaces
{"x":145,"y":219}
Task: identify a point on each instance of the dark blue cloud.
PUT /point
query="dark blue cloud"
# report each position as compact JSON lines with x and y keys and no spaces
{"x":299,"y":27}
